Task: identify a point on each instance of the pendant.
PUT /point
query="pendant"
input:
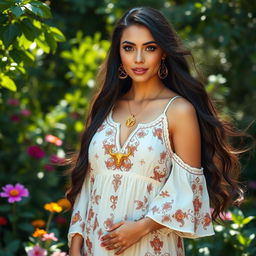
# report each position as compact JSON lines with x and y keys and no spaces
{"x":130,"y":121}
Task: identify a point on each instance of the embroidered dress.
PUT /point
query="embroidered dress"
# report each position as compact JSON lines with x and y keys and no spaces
{"x":142,"y":178}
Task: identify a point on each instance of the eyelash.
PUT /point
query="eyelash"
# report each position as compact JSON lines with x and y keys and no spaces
{"x":153,"y":48}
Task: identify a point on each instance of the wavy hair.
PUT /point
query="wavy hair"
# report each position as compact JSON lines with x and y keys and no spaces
{"x":219,"y":158}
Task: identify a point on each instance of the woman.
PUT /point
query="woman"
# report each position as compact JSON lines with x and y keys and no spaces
{"x":152,"y":150}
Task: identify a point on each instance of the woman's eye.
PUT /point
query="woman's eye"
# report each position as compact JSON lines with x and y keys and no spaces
{"x":151,"y":48}
{"x":127,"y":48}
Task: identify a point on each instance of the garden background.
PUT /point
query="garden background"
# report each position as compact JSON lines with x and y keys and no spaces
{"x":50,"y":52}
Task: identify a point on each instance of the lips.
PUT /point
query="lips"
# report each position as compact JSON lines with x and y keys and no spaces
{"x":139,"y":71}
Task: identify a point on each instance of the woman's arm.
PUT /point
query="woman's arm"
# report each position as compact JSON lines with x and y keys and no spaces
{"x":76,"y":245}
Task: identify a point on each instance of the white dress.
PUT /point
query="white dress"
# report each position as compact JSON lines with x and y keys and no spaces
{"x":147,"y":179}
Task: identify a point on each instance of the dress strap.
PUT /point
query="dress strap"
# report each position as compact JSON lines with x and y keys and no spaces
{"x":171,"y":100}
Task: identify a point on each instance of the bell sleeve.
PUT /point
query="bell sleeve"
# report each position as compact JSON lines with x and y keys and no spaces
{"x":79,"y":211}
{"x":182,"y":205}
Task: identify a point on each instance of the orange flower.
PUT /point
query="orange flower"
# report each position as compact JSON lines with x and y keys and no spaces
{"x":38,"y":223}
{"x":64,"y":203}
{"x":53,"y":207}
{"x":39,"y":232}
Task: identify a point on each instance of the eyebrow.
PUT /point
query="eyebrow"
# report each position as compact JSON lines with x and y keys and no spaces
{"x":150,"y":42}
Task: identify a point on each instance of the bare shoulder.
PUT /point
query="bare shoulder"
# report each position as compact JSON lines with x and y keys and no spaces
{"x":184,"y":131}
{"x":181,"y":112}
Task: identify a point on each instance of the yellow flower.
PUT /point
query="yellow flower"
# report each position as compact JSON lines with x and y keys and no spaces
{"x":53,"y":207}
{"x":38,"y":223}
{"x":39,"y":232}
{"x":64,"y":203}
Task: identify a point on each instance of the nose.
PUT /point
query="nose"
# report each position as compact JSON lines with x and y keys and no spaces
{"x":139,"y":58}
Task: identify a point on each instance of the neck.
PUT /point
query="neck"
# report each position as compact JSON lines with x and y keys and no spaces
{"x":144,"y":90}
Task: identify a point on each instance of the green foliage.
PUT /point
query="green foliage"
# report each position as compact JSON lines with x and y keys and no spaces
{"x":236,"y":237}
{"x":23,"y":35}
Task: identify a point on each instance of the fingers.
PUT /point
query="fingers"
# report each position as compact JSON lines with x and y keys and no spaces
{"x":111,"y":243}
{"x":121,"y":250}
{"x":117,"y":225}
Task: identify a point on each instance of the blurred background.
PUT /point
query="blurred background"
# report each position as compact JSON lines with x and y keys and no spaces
{"x":50,"y":52}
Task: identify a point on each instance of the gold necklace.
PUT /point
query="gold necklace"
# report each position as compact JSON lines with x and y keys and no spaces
{"x":131,"y":120}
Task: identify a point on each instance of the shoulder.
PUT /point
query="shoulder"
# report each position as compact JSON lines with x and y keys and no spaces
{"x":181,"y":112}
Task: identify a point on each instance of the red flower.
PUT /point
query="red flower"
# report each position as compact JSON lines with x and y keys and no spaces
{"x":36,"y":152}
{"x":15,"y":118}
{"x":48,"y":167}
{"x":3,"y":221}
{"x":13,"y":102}
{"x":54,"y":159}
{"x":60,"y":220}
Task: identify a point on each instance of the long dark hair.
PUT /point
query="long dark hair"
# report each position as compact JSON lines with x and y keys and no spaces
{"x":219,"y":158}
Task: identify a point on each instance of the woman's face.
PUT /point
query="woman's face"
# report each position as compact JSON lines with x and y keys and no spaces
{"x":140,"y":54}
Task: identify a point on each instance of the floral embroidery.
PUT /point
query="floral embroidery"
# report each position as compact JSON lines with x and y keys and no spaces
{"x":179,"y":215}
{"x":116,"y":181}
{"x":142,"y":205}
{"x":100,"y":233}
{"x":90,"y":214}
{"x":109,"y":132}
{"x":141,"y":133}
{"x":162,"y":157}
{"x":142,"y":161}
{"x":166,"y":218}
{"x":158,"y":132}
{"x":95,"y":198}
{"x":113,"y":200}
{"x":150,"y":148}
{"x":156,"y":244}
{"x":77,"y":217}
{"x":108,"y":223}
{"x":167,"y":206}
{"x":155,"y":209}
{"x":149,"y":187}
{"x":197,"y":204}
{"x":158,"y":175}
{"x":101,"y":127}
{"x":96,"y":223}
{"x":207,"y":220}
{"x":164,"y":194}
{"x":88,"y":244}
{"x":82,"y":226}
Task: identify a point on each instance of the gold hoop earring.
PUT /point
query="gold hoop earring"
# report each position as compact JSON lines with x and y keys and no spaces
{"x":163,"y":70}
{"x":122,"y":72}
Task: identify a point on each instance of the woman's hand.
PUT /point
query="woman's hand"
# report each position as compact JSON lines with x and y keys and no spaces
{"x":124,"y":234}
{"x":76,"y":244}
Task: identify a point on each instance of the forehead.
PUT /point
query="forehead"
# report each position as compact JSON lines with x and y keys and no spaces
{"x":137,"y":34}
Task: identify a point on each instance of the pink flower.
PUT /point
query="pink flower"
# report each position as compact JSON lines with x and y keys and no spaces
{"x":3,"y":221}
{"x":13,"y":102}
{"x":25,"y":112}
{"x":50,"y":236}
{"x":15,"y":118}
{"x":53,"y":139}
{"x":226,"y":216}
{"x":14,"y":193}
{"x":48,"y":167}
{"x":37,"y":251}
{"x":54,"y":159}
{"x":35,"y":151}
{"x":59,"y":254}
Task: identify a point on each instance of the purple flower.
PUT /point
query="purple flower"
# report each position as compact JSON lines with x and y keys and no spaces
{"x":14,"y":193}
{"x":15,"y":118}
{"x":36,"y":152}
{"x":37,"y":251}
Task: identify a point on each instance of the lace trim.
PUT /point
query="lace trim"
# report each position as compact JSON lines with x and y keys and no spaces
{"x":187,"y":167}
